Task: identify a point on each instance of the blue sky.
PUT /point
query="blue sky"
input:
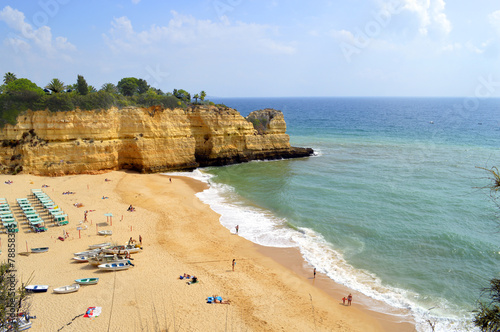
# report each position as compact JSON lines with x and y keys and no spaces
{"x":253,"y":48}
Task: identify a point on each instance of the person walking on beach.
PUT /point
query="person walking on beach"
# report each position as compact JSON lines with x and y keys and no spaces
{"x":234,"y":263}
{"x":343,"y":300}
{"x":349,"y":299}
{"x":140,"y":239}
{"x":237,"y":229}
{"x":314,"y":272}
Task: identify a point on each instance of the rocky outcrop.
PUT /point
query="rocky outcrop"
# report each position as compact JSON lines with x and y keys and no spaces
{"x":142,"y":139}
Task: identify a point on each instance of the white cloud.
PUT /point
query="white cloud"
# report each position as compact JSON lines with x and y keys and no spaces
{"x":494,"y":19}
{"x":135,"y":2}
{"x":24,"y":36}
{"x":431,"y":15}
{"x":187,"y":31}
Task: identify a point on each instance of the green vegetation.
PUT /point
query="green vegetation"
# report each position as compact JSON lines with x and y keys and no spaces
{"x":487,"y":317}
{"x":20,"y":94}
{"x":13,"y":300}
{"x":81,"y":85}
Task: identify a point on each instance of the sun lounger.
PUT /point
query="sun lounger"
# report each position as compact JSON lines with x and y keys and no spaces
{"x":7,"y":215}
{"x":9,"y":224}
{"x":36,"y":222}
{"x":12,"y":229}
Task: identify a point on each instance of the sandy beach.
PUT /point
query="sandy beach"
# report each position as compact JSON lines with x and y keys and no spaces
{"x":270,"y":289}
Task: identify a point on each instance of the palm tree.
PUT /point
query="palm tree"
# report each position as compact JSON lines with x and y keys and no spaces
{"x":109,"y":88}
{"x":55,"y":86}
{"x":203,"y":94}
{"x":9,"y":77}
{"x":196,"y":97}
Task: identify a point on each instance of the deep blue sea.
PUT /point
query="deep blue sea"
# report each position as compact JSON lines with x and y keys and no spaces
{"x":390,"y":205}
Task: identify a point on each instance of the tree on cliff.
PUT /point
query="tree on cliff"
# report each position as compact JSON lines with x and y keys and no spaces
{"x":56,"y":85}
{"x":81,"y":85}
{"x":203,"y":94}
{"x":142,"y":86}
{"x":196,"y":97}
{"x":487,"y":317}
{"x":24,"y":89}
{"x":182,"y":95}
{"x":109,"y":88}
{"x":9,"y":77}
{"x":130,"y":86}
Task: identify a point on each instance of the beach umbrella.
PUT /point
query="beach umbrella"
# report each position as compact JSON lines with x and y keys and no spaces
{"x":109,"y":218}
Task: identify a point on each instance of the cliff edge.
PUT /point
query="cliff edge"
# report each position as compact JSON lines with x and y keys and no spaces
{"x":141,"y":139}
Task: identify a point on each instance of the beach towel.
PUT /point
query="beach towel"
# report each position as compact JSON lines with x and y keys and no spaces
{"x":92,"y":312}
{"x":210,"y":299}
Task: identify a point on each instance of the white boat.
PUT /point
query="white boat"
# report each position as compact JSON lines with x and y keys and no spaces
{"x":37,"y":288}
{"x":100,"y":245}
{"x":87,"y":281}
{"x":21,"y":323}
{"x":81,"y":259}
{"x":130,"y":248}
{"x":93,"y":252}
{"x":67,"y":289}
{"x":105,"y":232}
{"x":106,"y":258}
{"x":115,"y":266}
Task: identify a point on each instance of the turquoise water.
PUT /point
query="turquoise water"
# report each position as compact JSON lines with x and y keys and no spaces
{"x":390,"y":204}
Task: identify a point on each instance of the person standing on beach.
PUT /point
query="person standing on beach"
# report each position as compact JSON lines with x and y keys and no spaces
{"x":349,"y":299}
{"x":343,"y":300}
{"x":140,"y":239}
{"x":237,"y":229}
{"x":234,"y":263}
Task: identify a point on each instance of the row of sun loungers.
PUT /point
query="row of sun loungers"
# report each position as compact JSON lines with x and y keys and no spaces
{"x":8,"y":220}
{"x":56,"y":213}
{"x":35,"y":221}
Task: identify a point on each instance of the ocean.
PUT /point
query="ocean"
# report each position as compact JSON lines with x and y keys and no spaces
{"x":391,"y":204}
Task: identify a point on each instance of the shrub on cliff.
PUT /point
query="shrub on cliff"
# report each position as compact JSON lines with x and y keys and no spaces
{"x":19,"y":95}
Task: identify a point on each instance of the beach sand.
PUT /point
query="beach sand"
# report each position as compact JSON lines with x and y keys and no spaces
{"x":270,"y":289}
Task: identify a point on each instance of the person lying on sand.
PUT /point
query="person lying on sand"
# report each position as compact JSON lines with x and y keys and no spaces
{"x":217,"y":299}
{"x":193,"y":280}
{"x":185,"y":276}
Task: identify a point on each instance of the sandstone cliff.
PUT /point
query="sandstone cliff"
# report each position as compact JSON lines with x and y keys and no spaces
{"x":141,"y":139}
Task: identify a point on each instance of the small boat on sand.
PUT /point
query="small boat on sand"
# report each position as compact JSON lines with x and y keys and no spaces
{"x":37,"y":288}
{"x":105,"y":232}
{"x":38,"y":250}
{"x":100,"y":245}
{"x":81,"y":259}
{"x":67,"y":289}
{"x":107,"y":258}
{"x":87,"y":281}
{"x":115,"y":266}
{"x":130,"y":248}
{"x":20,"y":323}
{"x":93,"y":252}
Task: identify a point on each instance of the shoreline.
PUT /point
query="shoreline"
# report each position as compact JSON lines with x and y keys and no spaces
{"x":181,"y":235}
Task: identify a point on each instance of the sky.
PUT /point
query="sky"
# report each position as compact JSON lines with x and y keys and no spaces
{"x":254,"y":48}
